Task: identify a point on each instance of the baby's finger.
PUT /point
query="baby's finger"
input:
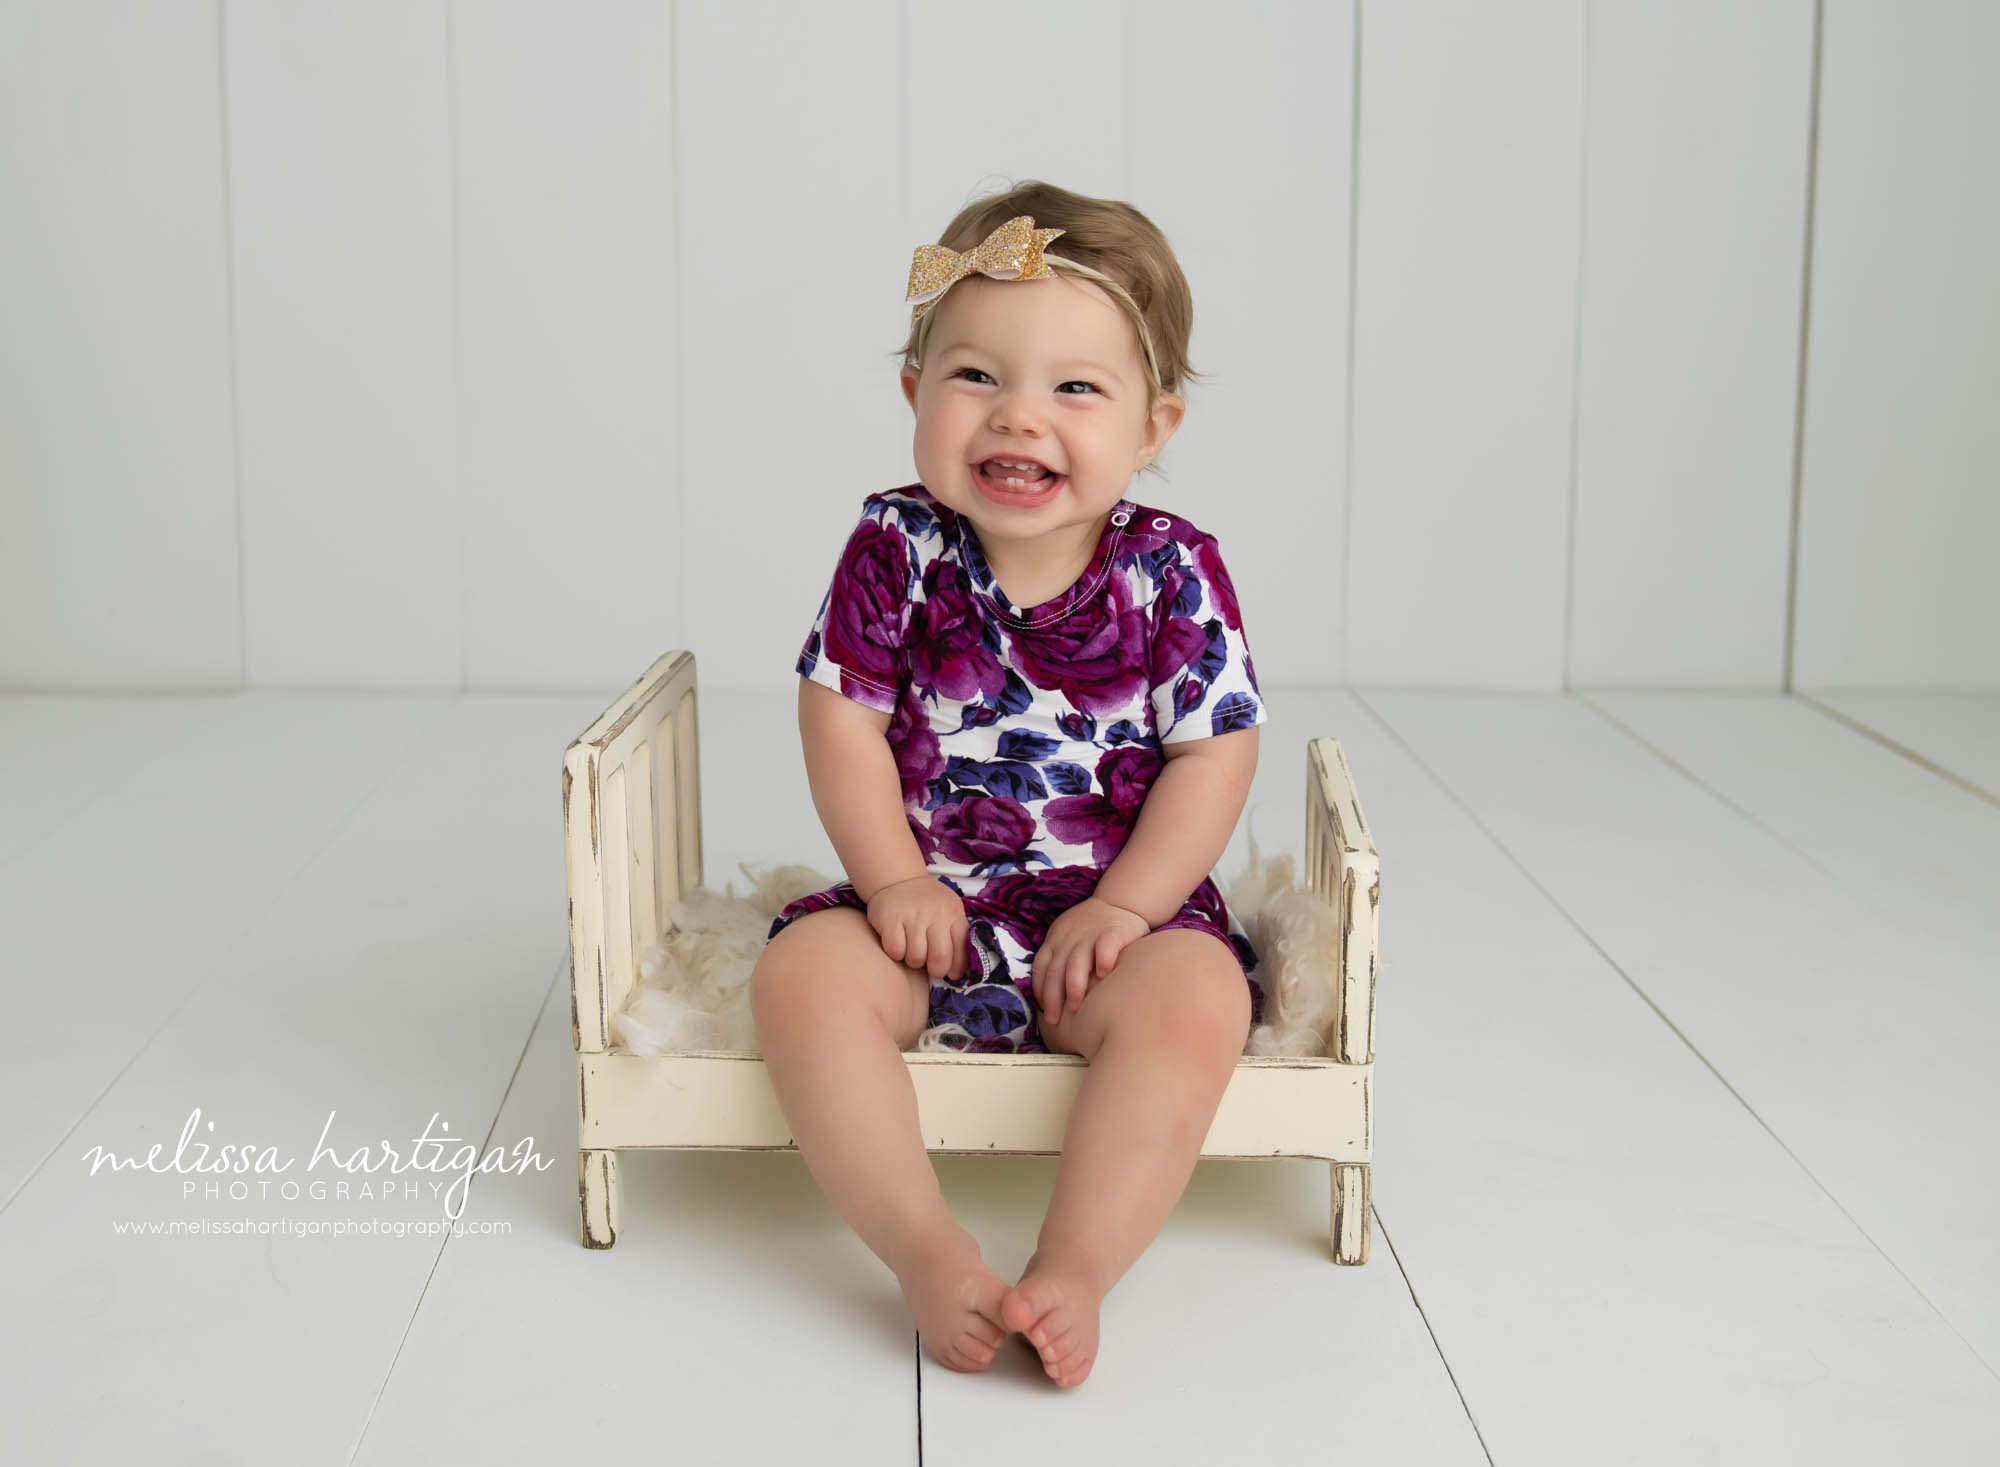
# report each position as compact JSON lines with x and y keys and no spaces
{"x":959,"y":932}
{"x":940,"y":951}
{"x":892,"y":938}
{"x":915,"y":953}
{"x":1040,"y":983}
{"x":1059,"y":984}
{"x":1076,"y":979}
{"x":1106,"y":953}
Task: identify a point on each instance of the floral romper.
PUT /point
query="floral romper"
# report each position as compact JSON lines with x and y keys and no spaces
{"x":1027,"y":739}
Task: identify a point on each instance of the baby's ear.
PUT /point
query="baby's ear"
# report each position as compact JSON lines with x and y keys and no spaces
{"x":1166,"y":417}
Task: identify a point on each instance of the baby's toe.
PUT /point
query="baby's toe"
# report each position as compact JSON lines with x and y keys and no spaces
{"x":1074,"y":1370}
{"x":1027,"y":1305}
{"x":987,"y":1299}
{"x":973,"y":1349}
{"x":1052,"y":1338}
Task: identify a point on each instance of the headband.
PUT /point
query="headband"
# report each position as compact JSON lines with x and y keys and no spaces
{"x":1011,"y":252}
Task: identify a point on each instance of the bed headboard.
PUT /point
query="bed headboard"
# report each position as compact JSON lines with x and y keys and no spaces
{"x":631,"y":836}
{"x":1343,"y":867}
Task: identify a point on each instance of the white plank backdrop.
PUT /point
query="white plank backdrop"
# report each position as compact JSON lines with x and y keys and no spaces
{"x":1558,"y":344}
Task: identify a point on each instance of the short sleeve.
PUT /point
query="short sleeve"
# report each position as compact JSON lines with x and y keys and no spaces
{"x":1202,"y":681}
{"x":855,"y":646}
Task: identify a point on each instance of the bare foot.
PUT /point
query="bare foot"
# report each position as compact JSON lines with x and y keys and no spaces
{"x":1054,"y":1306}
{"x":953,"y":1297}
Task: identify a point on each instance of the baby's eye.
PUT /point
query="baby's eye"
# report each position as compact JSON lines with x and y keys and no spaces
{"x":1075,"y":382}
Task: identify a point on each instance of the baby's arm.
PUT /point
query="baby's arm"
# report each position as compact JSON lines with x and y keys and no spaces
{"x":1184,"y":825}
{"x":856,"y":788}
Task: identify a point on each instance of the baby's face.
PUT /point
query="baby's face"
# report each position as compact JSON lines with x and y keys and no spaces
{"x":1043,"y":369}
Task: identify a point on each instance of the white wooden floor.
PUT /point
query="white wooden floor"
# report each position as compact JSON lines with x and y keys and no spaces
{"x":1684,"y":1079}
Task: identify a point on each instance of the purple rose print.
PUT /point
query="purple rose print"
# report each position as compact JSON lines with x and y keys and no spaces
{"x":1073,"y":725}
{"x":918,"y":758}
{"x":1024,"y":903}
{"x":1221,"y":590}
{"x":1104,"y":821}
{"x":1231,"y":712}
{"x":982,"y":829}
{"x":946,"y":654}
{"x":1127,"y":773}
{"x":1180,"y":639}
{"x":988,"y":1012}
{"x":1206,"y":901}
{"x":869,"y":604}
{"x":1094,"y":656}
{"x":926,"y":842}
{"x":1025,"y":756}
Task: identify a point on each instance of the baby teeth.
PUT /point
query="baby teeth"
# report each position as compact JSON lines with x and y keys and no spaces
{"x":1015,"y":481}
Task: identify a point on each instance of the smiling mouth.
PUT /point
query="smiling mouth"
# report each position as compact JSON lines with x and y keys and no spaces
{"x":1016,"y":490}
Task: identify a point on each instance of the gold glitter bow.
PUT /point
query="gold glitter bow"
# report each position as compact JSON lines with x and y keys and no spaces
{"x":1011,"y":252}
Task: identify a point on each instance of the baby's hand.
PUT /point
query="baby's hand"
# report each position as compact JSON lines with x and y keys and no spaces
{"x":921,"y":922}
{"x":1082,"y":946}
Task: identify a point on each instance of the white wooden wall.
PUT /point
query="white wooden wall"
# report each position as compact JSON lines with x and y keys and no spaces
{"x":405,"y":344}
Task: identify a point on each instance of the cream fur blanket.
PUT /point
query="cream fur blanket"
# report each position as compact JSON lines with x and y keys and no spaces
{"x":693,"y":987}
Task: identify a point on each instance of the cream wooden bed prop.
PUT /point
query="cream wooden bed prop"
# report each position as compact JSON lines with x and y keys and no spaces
{"x":632,"y":841}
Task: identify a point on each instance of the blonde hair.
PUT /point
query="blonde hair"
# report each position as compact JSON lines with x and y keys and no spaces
{"x":1120,"y":250}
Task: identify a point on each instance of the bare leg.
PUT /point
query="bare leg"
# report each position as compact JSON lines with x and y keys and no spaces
{"x":1166,"y":1041}
{"x":835,"y":1062}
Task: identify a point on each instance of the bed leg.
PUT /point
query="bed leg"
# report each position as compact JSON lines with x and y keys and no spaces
{"x":597,"y":1196}
{"x":1350,"y":1212}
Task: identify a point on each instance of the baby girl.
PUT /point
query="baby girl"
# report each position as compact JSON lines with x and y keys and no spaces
{"x":1029,"y":721}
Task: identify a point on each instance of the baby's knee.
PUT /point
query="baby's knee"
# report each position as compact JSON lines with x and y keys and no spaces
{"x":1204,"y":1005}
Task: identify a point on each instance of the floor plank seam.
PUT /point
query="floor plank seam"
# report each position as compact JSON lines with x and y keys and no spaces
{"x":1895,"y":748}
{"x":472,"y":1184}
{"x":220,"y":962}
{"x":1584,"y":700}
{"x":1403,"y":1273}
{"x":1692,"y":1048}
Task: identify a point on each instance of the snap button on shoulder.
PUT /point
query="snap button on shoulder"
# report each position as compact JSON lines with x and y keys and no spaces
{"x":1118,"y":517}
{"x":1161,"y":522}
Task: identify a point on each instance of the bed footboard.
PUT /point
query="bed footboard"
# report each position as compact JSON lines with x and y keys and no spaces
{"x":631,"y":837}
{"x":1342,"y":866}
